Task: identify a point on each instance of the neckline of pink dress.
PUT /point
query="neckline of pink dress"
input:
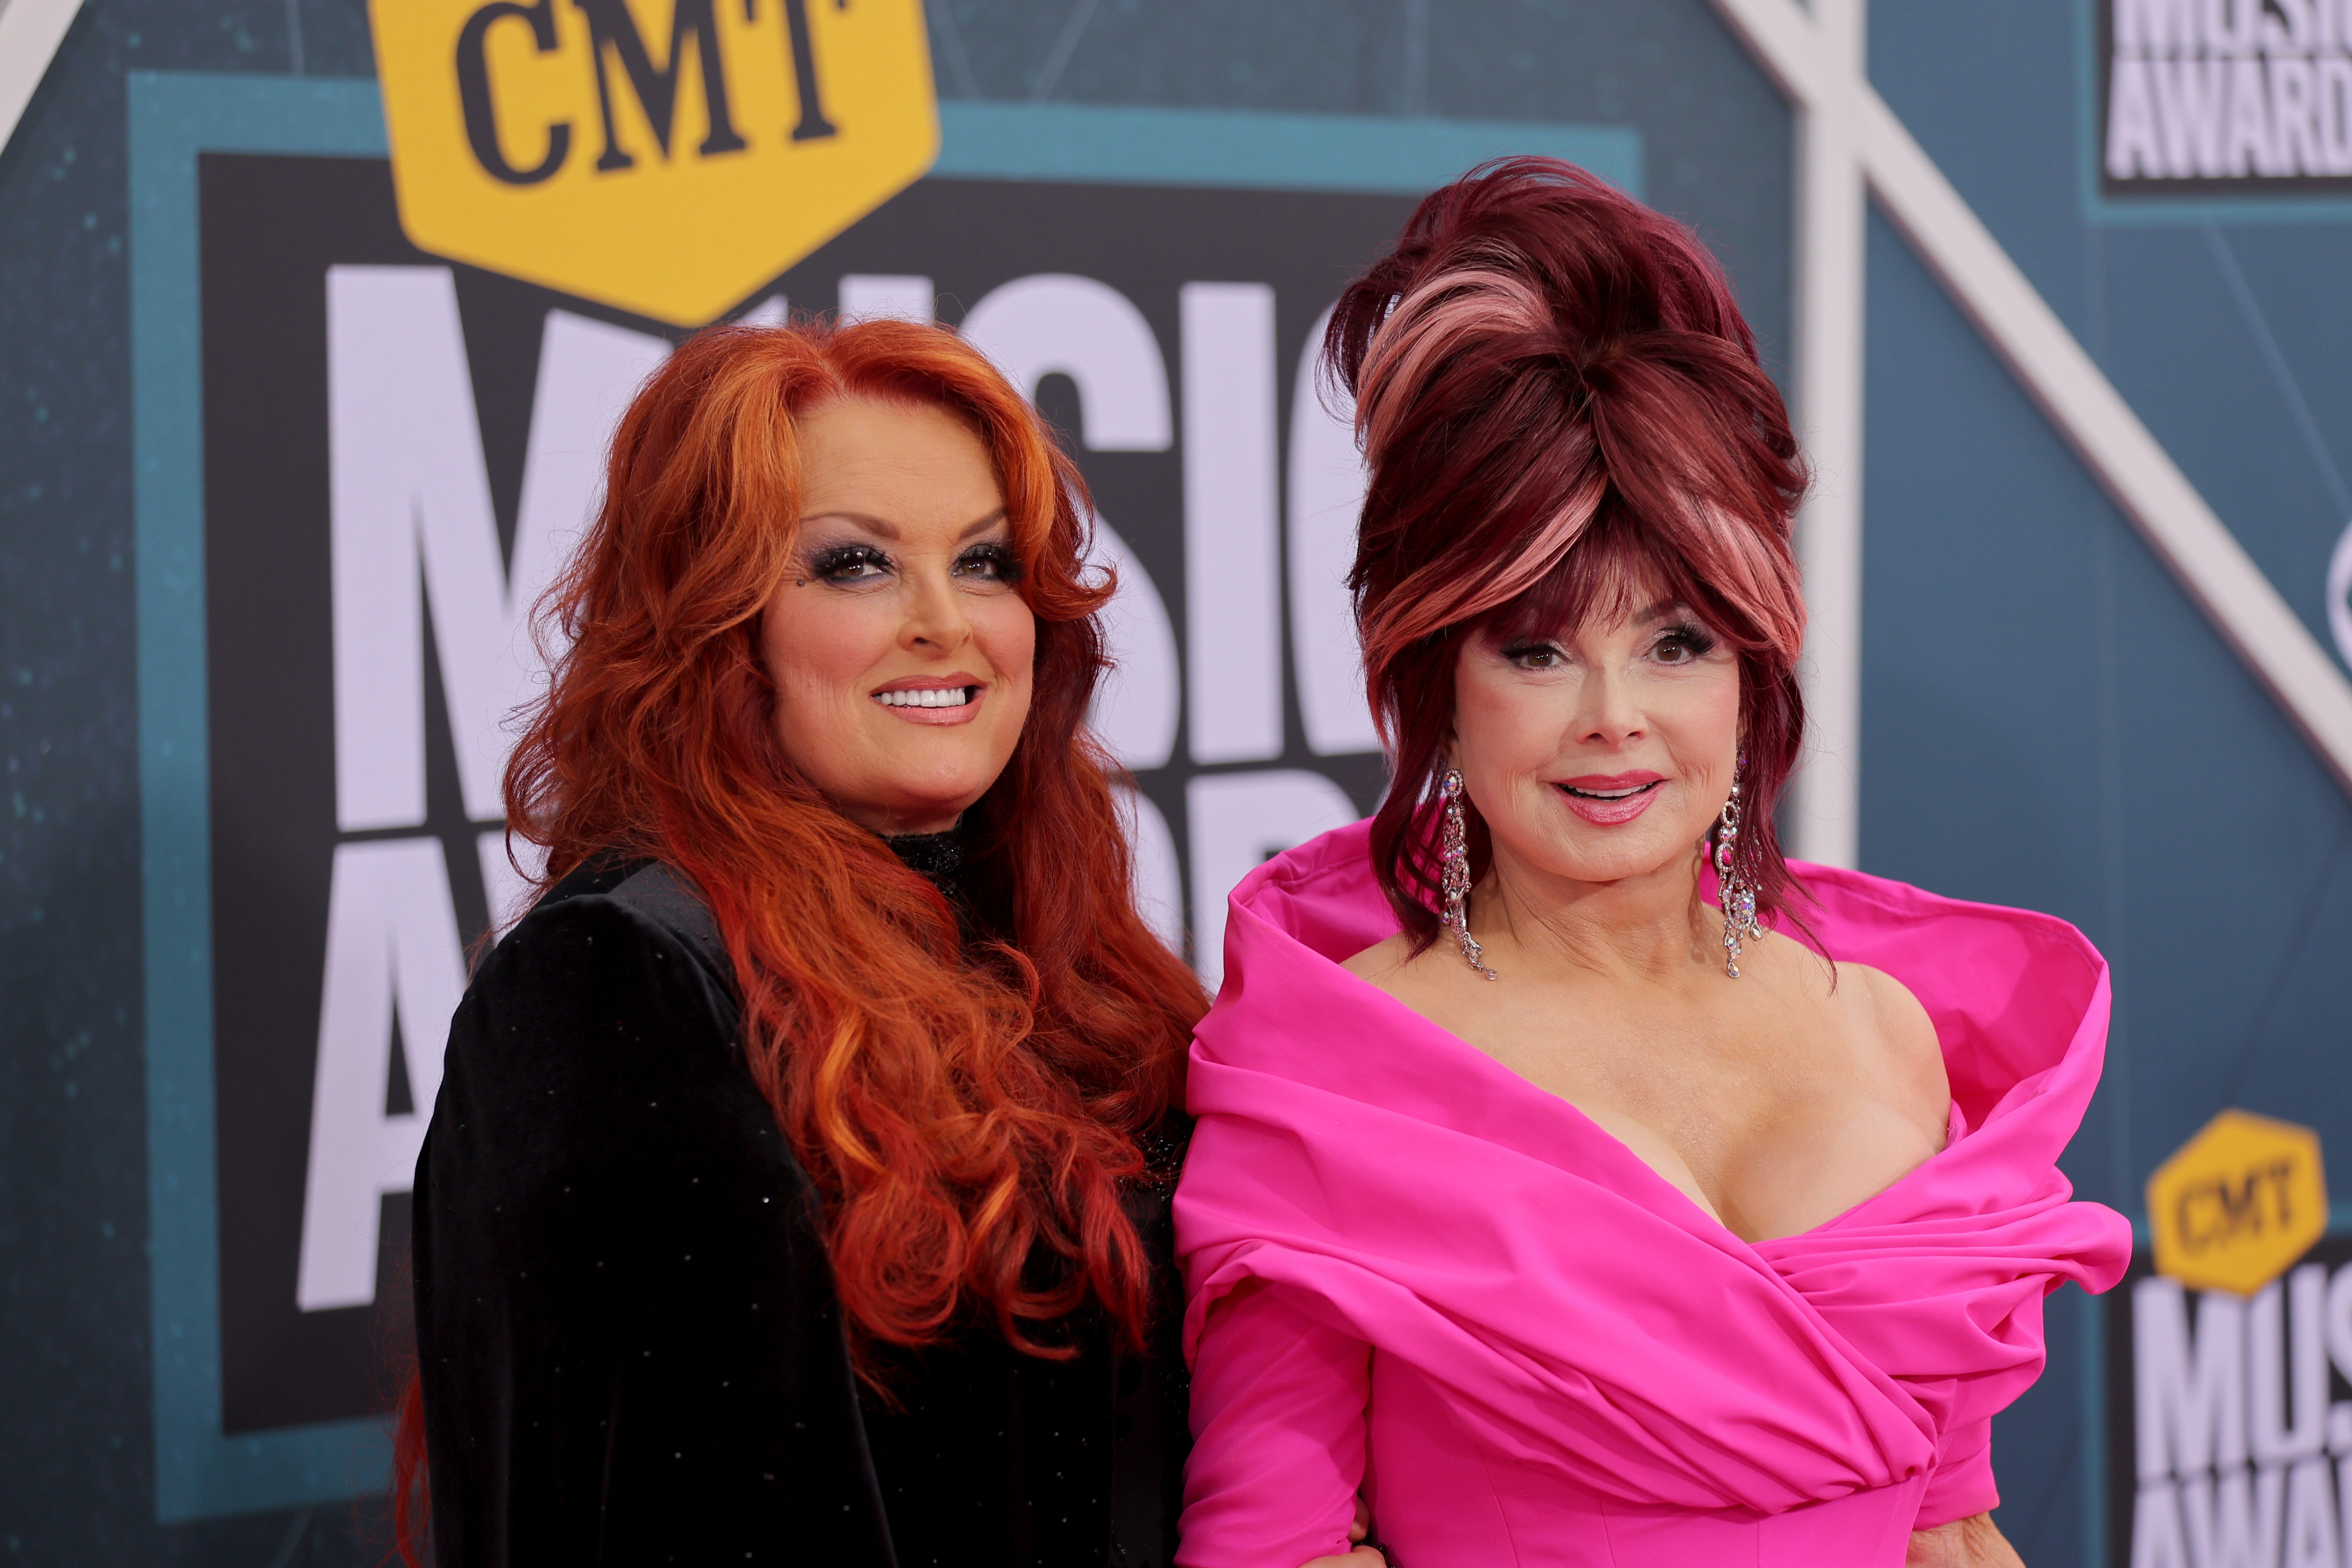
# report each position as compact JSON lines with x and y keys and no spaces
{"x":1955,"y":1123}
{"x":1409,"y":1190}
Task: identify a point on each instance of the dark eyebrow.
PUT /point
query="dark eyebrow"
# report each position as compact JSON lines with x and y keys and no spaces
{"x":889,"y":531}
{"x":886,"y":530}
{"x":1660,"y":611}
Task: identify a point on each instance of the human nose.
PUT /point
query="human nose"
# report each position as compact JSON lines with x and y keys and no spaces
{"x":1606,"y":714}
{"x":936,"y":620}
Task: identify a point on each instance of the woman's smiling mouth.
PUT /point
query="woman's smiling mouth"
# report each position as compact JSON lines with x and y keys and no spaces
{"x":940,"y":699}
{"x":1609,"y":802}
{"x":928,"y":696}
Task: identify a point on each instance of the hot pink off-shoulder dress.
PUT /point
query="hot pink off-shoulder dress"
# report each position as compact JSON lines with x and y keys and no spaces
{"x":1524,"y":1346}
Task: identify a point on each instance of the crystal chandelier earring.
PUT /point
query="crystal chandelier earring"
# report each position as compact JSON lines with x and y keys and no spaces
{"x":1453,"y":876}
{"x":1732,"y":888}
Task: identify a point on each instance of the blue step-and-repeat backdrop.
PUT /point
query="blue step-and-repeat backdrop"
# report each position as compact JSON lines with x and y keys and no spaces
{"x":247,"y":826}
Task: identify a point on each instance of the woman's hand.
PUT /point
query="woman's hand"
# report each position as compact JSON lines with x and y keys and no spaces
{"x":1963,"y":1543}
{"x":1363,"y":1556}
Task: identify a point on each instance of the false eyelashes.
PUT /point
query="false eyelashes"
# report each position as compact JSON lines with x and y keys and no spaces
{"x":1695,"y":641}
{"x":847,"y":565}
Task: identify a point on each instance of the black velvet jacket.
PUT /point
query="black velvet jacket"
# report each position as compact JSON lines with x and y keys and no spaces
{"x":628,"y":1338}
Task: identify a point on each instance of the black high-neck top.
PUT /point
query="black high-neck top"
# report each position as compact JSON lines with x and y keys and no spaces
{"x":627,"y":1334}
{"x":938,"y":858}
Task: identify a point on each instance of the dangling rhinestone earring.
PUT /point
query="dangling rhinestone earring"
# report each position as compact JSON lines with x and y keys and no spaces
{"x":1453,"y":877}
{"x":1737,"y":897}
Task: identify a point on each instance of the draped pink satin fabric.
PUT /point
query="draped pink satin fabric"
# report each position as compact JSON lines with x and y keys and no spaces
{"x":1527,"y":1346}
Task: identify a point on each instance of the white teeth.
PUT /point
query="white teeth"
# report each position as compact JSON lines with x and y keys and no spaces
{"x":926,"y":697}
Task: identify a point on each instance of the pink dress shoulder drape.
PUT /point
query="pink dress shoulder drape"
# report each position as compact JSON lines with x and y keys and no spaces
{"x":1456,"y":1292}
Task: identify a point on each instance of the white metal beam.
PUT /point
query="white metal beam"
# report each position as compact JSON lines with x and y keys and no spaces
{"x":30,"y":31}
{"x":1823,"y":813}
{"x":1806,"y":60}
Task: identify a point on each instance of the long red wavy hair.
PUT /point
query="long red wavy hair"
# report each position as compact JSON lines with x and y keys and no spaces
{"x":969,"y":1116}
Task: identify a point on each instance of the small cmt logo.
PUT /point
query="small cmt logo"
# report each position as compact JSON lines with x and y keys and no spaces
{"x":665,"y":156}
{"x":2238,"y":1204}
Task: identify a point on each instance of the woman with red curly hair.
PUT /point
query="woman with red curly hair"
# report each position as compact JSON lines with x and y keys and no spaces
{"x":1576,"y":1181}
{"x":797,"y":1190}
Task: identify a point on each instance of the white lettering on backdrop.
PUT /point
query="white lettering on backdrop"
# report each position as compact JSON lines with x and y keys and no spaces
{"x":1327,"y":496}
{"x":410,"y":523}
{"x":408,"y":486}
{"x":392,"y":953}
{"x":2229,"y":89}
{"x":1233,"y":544}
{"x":2243,"y":1461}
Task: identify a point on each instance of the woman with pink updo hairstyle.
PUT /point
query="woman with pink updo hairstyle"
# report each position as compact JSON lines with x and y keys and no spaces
{"x":1577,"y":1181}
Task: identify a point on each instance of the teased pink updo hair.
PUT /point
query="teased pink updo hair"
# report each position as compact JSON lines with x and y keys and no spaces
{"x":1561,"y":407}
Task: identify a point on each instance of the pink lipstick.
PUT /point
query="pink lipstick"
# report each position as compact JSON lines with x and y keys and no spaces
{"x":1611,"y":800}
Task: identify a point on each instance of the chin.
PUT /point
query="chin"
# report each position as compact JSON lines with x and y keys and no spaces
{"x":930,"y":802}
{"x":1584,"y":860}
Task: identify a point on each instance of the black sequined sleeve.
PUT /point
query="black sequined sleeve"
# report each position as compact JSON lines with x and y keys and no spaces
{"x":629,"y":1342}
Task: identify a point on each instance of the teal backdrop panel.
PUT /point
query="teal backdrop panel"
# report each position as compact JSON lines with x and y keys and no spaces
{"x":2048,"y":719}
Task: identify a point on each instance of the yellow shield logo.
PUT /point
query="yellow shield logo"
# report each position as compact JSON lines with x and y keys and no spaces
{"x":665,"y":156}
{"x":2238,"y":1204}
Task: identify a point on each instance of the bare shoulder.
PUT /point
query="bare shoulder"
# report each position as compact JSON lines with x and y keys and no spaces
{"x":1383,"y":963}
{"x":1896,"y":1030}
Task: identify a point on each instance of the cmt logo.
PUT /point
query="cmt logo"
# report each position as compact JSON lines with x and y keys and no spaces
{"x":2217,"y":1212}
{"x":2238,"y":1202}
{"x":613,"y":40}
{"x":730,"y":137}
